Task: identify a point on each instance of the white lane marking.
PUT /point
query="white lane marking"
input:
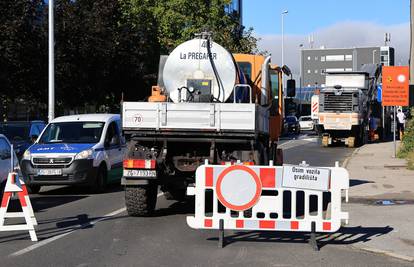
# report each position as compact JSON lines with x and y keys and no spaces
{"x":288,"y":142}
{"x":50,"y":240}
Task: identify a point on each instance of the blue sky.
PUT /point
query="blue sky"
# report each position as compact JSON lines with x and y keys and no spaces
{"x":332,"y":23}
{"x":306,"y":16}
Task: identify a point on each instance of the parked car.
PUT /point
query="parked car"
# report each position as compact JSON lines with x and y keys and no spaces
{"x":5,"y":160}
{"x":21,"y":133}
{"x":76,"y":150}
{"x":291,"y":124}
{"x":306,"y":123}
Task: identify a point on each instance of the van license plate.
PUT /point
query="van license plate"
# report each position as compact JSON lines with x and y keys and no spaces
{"x":49,"y":172}
{"x":140,"y":173}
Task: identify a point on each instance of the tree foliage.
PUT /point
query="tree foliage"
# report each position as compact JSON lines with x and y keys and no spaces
{"x":23,"y":68}
{"x":103,"y":48}
{"x":180,"y":20}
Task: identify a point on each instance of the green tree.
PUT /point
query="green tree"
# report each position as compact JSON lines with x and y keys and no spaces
{"x":180,"y":20}
{"x":23,"y":60}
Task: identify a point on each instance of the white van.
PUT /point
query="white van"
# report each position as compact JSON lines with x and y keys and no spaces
{"x":83,"y":149}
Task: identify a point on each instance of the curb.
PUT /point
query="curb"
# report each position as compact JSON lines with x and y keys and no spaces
{"x":384,"y":252}
{"x":346,"y":161}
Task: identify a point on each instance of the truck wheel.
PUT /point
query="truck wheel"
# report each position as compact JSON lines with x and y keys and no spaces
{"x":100,"y":181}
{"x":325,"y":141}
{"x":140,"y":200}
{"x":33,"y":189}
{"x":351,"y":141}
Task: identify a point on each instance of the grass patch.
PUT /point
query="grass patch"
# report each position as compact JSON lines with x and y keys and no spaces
{"x":407,"y":144}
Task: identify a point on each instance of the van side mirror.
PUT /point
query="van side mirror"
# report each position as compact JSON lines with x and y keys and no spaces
{"x":33,"y":138}
{"x":291,"y":88}
{"x":114,"y":141}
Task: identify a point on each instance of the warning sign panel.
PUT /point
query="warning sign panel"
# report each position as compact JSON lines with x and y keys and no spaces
{"x":395,"y":85}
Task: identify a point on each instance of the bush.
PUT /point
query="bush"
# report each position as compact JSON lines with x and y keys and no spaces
{"x":410,"y":158}
{"x":407,"y":146}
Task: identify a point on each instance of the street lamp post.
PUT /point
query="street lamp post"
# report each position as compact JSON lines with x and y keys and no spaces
{"x":300,"y":79}
{"x":283,"y":37}
{"x":51,"y":102}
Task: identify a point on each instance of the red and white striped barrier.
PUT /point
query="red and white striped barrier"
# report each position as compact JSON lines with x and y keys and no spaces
{"x":273,"y":198}
{"x":15,"y":186}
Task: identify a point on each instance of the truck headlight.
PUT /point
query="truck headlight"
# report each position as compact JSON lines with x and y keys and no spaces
{"x":86,"y":154}
{"x":27,"y":155}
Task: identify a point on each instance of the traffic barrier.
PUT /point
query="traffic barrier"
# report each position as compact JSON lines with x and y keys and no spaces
{"x":269,"y":198}
{"x":16,"y":187}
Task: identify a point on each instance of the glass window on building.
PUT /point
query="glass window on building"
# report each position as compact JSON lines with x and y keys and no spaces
{"x":322,"y":58}
{"x":348,"y":57}
{"x":316,"y":71}
{"x":309,"y":71}
{"x":335,"y":58}
{"x":323,"y":72}
{"x":316,"y":58}
{"x":308,"y":58}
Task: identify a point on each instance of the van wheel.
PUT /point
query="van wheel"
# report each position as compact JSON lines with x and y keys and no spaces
{"x":33,"y":189}
{"x":100,"y":181}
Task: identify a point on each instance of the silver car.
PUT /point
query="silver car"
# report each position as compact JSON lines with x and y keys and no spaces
{"x":306,"y":123}
{"x":5,"y":159}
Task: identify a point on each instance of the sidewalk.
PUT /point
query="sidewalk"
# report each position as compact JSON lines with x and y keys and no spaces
{"x":382,"y":200}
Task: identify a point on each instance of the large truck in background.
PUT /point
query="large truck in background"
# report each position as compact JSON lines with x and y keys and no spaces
{"x":345,"y":104}
{"x":210,"y":105}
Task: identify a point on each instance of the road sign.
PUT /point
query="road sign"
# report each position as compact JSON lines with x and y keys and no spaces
{"x":306,"y":177}
{"x":395,"y":85}
{"x":238,"y":188}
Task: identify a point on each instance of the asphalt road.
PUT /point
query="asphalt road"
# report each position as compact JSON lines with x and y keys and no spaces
{"x":79,"y":229}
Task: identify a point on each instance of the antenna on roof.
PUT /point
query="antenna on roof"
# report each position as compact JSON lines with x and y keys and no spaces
{"x":310,"y":40}
{"x":387,"y":38}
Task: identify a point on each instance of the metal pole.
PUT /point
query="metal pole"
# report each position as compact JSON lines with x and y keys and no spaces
{"x":51,"y":105}
{"x":395,"y":129}
{"x":383,"y":123}
{"x":300,"y":80}
{"x":11,"y":158}
{"x":283,"y":38}
{"x":283,"y":43}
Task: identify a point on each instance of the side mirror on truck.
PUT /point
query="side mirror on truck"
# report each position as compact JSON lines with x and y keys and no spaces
{"x":291,"y":88}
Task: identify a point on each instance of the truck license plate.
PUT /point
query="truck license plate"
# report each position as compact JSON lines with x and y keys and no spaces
{"x":49,"y":172}
{"x":140,"y":173}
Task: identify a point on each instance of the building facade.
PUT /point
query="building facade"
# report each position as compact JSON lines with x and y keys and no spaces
{"x":315,"y":63}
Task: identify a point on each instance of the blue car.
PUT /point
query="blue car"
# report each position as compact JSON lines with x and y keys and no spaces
{"x":21,"y":134}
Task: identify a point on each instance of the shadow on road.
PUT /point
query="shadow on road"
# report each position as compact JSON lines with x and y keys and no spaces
{"x":355,"y":182}
{"x":345,"y":236}
{"x":61,"y":226}
{"x":180,"y":207}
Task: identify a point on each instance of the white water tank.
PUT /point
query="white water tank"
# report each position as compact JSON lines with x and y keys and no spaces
{"x":190,"y":60}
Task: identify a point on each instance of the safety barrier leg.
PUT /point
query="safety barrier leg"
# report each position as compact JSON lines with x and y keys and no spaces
{"x":221,"y":234}
{"x":312,"y":240}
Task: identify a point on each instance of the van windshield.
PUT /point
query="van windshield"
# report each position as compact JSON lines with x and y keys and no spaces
{"x":72,"y":132}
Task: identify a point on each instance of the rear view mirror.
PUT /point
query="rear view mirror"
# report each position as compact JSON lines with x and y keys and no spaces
{"x":291,"y":88}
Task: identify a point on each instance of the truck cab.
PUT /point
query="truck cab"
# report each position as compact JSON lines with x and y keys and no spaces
{"x":76,"y":150}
